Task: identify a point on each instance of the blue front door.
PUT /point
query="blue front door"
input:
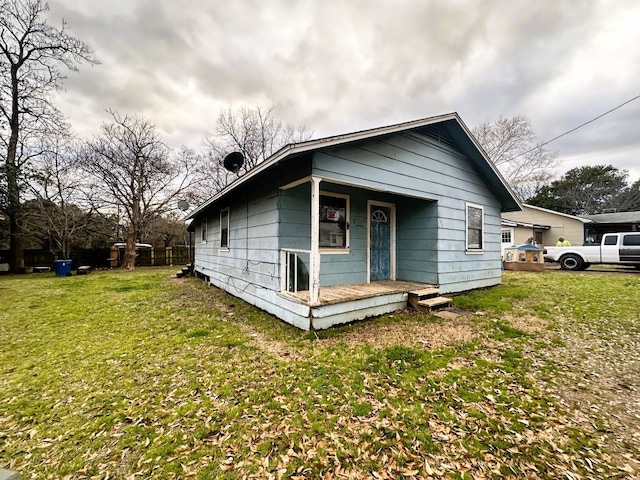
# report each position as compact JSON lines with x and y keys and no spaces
{"x":380,"y":243}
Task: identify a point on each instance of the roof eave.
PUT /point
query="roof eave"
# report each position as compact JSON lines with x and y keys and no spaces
{"x":311,"y":145}
{"x":535,"y":207}
{"x":509,"y":204}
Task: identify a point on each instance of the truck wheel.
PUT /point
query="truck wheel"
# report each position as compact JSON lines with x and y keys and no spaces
{"x":571,"y":262}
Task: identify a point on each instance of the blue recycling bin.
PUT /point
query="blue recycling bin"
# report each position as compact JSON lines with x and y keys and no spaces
{"x":63,"y":268}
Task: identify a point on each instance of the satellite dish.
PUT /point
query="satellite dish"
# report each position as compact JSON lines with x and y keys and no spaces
{"x":183,"y":205}
{"x":233,"y":161}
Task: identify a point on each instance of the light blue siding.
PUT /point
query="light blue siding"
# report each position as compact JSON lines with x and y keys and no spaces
{"x":295,"y":232}
{"x":417,"y":241}
{"x":249,"y":268}
{"x":406,"y":164}
{"x":430,"y":184}
{"x":459,"y":270}
{"x":430,"y":235}
{"x":335,"y":314}
{"x":294,"y":227}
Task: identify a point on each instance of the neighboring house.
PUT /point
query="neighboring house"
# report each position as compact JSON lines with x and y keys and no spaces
{"x":338,"y":229}
{"x":519,"y":233}
{"x":611,"y":223}
{"x":545,"y":226}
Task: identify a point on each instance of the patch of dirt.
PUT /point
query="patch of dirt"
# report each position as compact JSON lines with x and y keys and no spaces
{"x":528,"y":323}
{"x":282,"y":351}
{"x":422,"y":332}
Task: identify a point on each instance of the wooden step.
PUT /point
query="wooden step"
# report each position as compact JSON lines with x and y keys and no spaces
{"x":435,"y":302}
{"x":416,"y":296}
{"x":426,"y":292}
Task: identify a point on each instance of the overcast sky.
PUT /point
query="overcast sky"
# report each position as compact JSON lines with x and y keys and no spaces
{"x":340,"y":66}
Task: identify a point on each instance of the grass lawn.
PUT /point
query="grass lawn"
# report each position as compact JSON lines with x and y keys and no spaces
{"x":141,"y":375}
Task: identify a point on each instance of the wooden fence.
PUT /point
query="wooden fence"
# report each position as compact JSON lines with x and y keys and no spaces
{"x":104,"y":257}
{"x":150,"y":257}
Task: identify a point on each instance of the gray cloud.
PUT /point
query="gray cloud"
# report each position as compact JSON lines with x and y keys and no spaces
{"x":341,"y":66}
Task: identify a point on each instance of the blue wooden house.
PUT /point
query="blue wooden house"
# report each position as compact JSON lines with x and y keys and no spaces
{"x":342,"y":228}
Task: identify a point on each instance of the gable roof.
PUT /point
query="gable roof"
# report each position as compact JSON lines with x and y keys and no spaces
{"x":453,"y":126}
{"x":616,"y":217}
{"x":581,"y":219}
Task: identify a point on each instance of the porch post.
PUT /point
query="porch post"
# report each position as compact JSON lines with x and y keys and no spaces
{"x":314,"y":267}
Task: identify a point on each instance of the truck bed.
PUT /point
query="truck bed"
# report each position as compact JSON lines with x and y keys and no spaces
{"x":591,"y":253}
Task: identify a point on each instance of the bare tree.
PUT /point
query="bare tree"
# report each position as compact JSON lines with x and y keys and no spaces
{"x":512,"y":146}
{"x":166,"y":230}
{"x":255,"y":133}
{"x":56,"y":190}
{"x":134,"y":172}
{"x":31,"y":52}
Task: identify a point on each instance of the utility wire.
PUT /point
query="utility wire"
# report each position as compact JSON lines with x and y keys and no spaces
{"x":576,"y":128}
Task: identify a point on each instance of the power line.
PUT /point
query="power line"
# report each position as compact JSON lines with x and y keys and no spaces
{"x":578,"y":127}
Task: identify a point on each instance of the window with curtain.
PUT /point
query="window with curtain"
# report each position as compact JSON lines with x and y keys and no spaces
{"x":334,"y":210}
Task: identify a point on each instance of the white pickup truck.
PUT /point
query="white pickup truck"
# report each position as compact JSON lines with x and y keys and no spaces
{"x":615,"y":248}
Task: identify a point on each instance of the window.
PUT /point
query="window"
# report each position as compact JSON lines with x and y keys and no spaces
{"x":475,"y":223}
{"x":537,"y":238}
{"x":224,"y":228}
{"x":506,"y":235}
{"x":203,"y":232}
{"x":611,"y":240}
{"x":334,"y":222}
{"x":631,"y":240}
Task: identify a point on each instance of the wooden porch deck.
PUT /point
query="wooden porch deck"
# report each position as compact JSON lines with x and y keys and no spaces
{"x":356,"y":291}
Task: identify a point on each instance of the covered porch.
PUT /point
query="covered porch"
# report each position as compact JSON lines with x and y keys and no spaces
{"x":344,"y":242}
{"x":357,"y":291}
{"x":347,"y":303}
